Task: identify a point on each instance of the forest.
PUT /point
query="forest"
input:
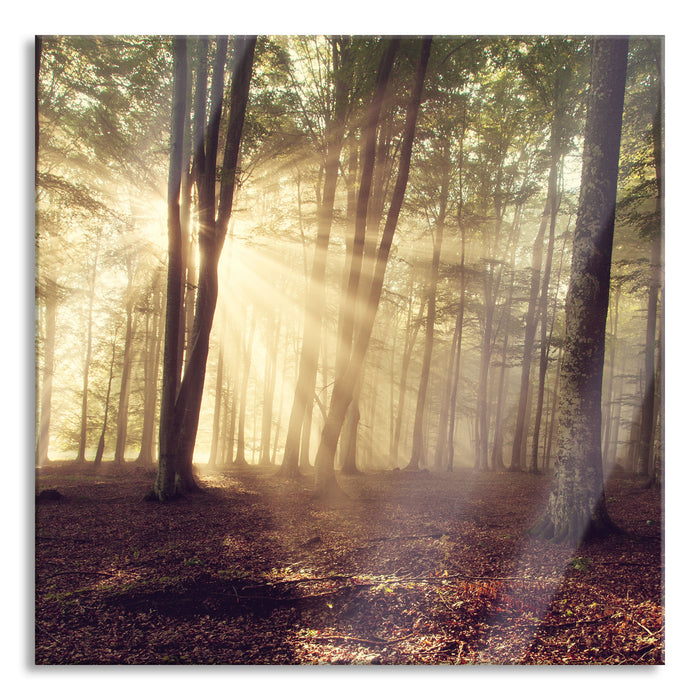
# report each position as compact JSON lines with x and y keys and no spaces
{"x":349,"y":349}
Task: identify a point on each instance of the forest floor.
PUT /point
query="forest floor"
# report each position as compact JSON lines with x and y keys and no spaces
{"x":415,"y":568}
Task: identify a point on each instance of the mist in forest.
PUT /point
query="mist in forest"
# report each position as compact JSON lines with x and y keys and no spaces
{"x":462,"y":364}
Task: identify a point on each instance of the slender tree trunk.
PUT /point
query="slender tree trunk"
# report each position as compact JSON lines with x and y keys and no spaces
{"x":165,"y":486}
{"x":272,"y":333}
{"x":216,"y":426}
{"x":125,"y":385}
{"x":150,"y":373}
{"x":459,"y":330}
{"x":576,"y":508}
{"x":497,"y":461}
{"x":520,"y":436}
{"x":313,"y":317}
{"x":247,"y":358}
{"x":342,"y":391}
{"x":445,"y":404}
{"x":542,"y":314}
{"x":644,"y":466}
{"x":412,"y":327}
{"x":82,"y":444}
{"x":609,"y":390}
{"x":417,"y":450}
{"x":101,"y":442}
{"x":50,"y":304}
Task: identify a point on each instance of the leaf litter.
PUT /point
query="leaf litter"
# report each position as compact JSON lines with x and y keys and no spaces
{"x":427,"y":568}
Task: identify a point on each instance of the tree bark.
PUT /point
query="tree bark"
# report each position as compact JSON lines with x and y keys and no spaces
{"x":576,"y":507}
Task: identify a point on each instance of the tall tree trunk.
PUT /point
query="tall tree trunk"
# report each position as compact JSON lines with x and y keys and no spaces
{"x":50,"y":304}
{"x":412,"y":327}
{"x":315,"y":297}
{"x":216,"y":425}
{"x":576,"y":508}
{"x":609,"y":390}
{"x":497,"y":461}
{"x":165,"y":486}
{"x":544,"y":340}
{"x":459,"y":330}
{"x":272,"y":333}
{"x":101,"y":442}
{"x":181,"y":433}
{"x":247,"y":359}
{"x":644,"y":466}
{"x":125,"y":384}
{"x":417,"y":450}
{"x":326,"y":483}
{"x":520,"y":436}
{"x":150,"y":373}
{"x":82,"y":443}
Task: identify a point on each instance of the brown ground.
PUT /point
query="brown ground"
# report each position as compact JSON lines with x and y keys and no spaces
{"x":413,"y":569}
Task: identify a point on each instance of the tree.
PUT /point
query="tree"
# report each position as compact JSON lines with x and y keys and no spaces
{"x":311,"y":342}
{"x":181,"y":406}
{"x":343,"y":390}
{"x":576,"y":507}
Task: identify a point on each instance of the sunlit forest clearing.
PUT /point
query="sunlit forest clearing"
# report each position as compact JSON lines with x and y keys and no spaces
{"x":349,"y":349}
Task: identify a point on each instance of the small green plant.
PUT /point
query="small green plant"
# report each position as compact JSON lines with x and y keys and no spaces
{"x":580,"y":564}
{"x":193,"y":562}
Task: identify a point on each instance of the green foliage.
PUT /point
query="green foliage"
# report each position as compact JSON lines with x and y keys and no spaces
{"x":582,"y":564}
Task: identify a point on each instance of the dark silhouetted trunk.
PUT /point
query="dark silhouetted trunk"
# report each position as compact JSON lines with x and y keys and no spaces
{"x":177,"y":446}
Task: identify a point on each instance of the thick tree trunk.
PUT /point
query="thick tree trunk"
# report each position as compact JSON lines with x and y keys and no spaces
{"x":576,"y":508}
